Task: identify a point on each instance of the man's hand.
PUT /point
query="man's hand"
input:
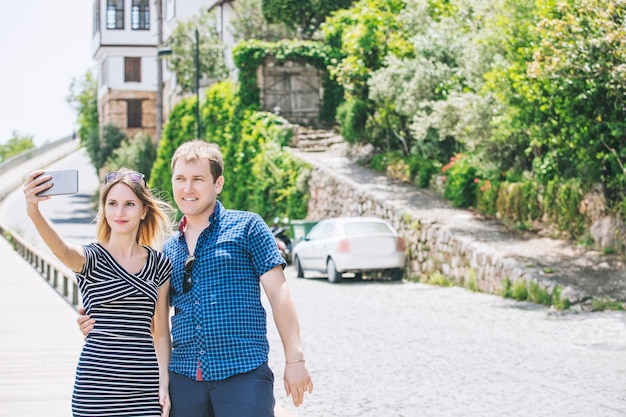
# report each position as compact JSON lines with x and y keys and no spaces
{"x":164,"y":400}
{"x":297,"y":381}
{"x":85,"y":324}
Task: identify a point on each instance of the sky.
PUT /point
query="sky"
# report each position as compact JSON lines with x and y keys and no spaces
{"x":44,"y":44}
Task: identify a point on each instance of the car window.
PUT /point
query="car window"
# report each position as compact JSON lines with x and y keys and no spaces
{"x":327,"y":231}
{"x":366,"y":228}
{"x":316,"y":231}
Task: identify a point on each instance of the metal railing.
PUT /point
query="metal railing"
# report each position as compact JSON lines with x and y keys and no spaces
{"x":61,"y":279}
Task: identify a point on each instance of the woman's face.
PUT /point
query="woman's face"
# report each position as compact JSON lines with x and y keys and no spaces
{"x":123,"y":210}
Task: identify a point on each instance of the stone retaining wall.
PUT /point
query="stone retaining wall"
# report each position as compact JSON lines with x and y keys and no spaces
{"x":432,"y":245}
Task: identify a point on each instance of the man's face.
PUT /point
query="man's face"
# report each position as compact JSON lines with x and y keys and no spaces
{"x":195,"y":190}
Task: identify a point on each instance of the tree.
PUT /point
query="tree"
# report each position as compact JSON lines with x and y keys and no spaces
{"x":250,"y":23}
{"x":579,"y":73}
{"x":83,"y":97}
{"x":210,"y":51}
{"x":306,"y":16}
{"x":361,"y":37}
{"x":431,"y":101}
{"x":138,"y":153}
{"x":112,"y":138}
{"x":16,"y":145}
{"x":516,"y":113}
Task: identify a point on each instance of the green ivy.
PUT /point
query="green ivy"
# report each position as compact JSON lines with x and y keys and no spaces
{"x":561,"y":200}
{"x":249,"y":56}
{"x":518,"y":203}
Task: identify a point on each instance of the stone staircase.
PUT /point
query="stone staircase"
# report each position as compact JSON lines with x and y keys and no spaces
{"x":309,"y":139}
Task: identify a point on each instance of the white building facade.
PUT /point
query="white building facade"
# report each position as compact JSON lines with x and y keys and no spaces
{"x":125,"y":43}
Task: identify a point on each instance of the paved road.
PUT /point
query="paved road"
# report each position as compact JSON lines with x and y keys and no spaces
{"x":406,"y":349}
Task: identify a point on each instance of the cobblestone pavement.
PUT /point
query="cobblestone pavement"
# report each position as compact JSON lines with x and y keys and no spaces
{"x":408,"y":349}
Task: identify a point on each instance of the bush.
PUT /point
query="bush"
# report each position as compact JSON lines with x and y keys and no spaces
{"x":112,"y":138}
{"x":16,"y":145}
{"x":259,"y":175}
{"x":217,"y":115}
{"x":517,"y":203}
{"x":352,"y":115}
{"x":460,"y":181}
{"x":487,"y":192}
{"x":281,"y":186}
{"x":561,"y":200}
{"x":138,"y":154}
{"x":412,"y":169}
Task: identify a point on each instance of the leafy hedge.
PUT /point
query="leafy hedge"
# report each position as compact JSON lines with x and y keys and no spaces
{"x":259,"y":175}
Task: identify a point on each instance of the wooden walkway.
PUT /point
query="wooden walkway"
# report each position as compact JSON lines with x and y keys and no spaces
{"x":40,"y":342}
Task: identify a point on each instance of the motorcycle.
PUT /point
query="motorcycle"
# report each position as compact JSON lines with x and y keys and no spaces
{"x":283,"y":241}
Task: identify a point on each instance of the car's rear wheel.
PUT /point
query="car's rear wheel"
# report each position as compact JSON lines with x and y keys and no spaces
{"x":331,"y":271}
{"x":299,"y":270}
{"x":397,"y":274}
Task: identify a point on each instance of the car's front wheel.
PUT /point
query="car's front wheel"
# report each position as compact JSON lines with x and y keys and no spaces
{"x":299,"y":270}
{"x":331,"y":271}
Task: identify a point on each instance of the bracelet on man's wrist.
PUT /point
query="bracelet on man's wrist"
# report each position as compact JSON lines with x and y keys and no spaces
{"x":295,"y":361}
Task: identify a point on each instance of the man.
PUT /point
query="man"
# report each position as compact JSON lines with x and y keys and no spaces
{"x":221,"y":258}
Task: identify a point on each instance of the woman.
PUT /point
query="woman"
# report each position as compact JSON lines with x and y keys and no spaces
{"x":124,"y":284}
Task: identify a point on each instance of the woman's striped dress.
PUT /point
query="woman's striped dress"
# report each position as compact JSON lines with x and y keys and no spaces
{"x":117,"y":373}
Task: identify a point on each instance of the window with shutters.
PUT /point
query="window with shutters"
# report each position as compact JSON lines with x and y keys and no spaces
{"x":132,"y":69}
{"x":115,"y":14}
{"x":133,"y":113}
{"x":140,"y":15}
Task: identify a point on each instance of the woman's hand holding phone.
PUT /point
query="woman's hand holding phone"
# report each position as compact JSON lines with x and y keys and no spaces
{"x":62,"y":182}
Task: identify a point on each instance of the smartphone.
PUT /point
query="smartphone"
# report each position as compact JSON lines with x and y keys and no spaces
{"x":64,"y":182}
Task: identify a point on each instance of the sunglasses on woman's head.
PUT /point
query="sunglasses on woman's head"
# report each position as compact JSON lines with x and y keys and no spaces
{"x":133,"y":176}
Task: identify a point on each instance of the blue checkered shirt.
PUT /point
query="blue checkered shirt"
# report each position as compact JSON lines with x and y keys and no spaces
{"x":219,"y":326}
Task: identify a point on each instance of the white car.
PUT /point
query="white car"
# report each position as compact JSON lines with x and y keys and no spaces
{"x":351,"y":245}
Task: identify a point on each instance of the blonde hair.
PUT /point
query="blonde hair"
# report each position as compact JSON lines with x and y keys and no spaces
{"x":154,"y":228}
{"x":198,"y":149}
